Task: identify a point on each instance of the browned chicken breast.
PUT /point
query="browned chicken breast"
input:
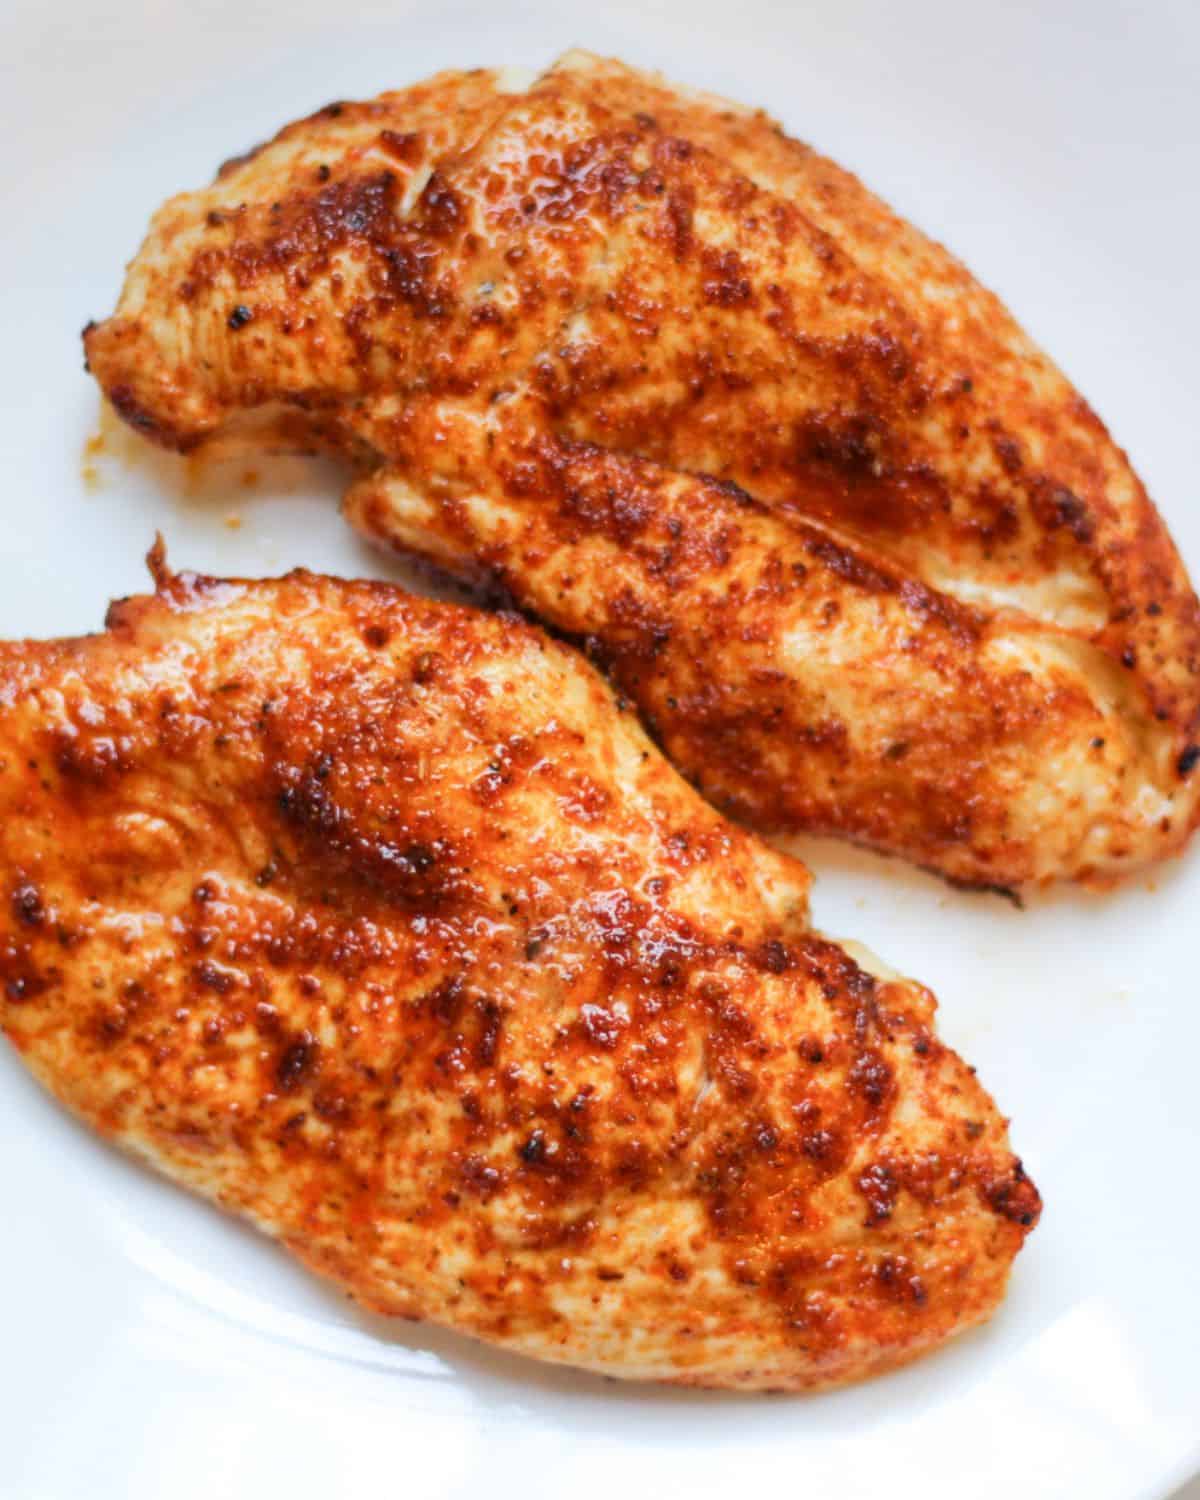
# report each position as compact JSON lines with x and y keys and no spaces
{"x":381,"y":923}
{"x":865,"y":561}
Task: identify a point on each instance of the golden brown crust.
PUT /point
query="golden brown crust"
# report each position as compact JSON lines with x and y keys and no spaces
{"x":606,"y":266}
{"x":801,"y":666}
{"x":378,"y":922}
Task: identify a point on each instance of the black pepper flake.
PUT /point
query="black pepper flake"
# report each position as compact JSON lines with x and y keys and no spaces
{"x":1188,"y":759}
{"x":240,"y":316}
{"x":534,"y":1149}
{"x":27,"y":905}
{"x":298,"y":1060}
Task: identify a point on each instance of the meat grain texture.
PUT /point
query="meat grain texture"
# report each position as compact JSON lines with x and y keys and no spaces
{"x":864,"y":559}
{"x":383,"y":924}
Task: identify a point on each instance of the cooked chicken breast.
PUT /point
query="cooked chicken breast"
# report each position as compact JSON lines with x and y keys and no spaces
{"x":865,"y":561}
{"x":381,"y":923}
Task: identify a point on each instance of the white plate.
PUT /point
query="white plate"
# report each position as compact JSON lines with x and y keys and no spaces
{"x":150,"y":1348}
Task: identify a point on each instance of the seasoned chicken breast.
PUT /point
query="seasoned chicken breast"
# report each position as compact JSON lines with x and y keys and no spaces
{"x":863,"y":558}
{"x":383,"y":924}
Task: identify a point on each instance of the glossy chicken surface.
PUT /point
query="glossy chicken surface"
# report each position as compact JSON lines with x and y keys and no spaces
{"x":865,"y":561}
{"x":380,"y":922}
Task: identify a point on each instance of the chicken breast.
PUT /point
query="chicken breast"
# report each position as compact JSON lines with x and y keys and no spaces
{"x":864,"y":559}
{"x":381,"y":923}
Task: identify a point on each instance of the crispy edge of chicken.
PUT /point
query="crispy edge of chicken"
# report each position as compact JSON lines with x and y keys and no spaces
{"x":595,"y":340}
{"x":378,"y":922}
